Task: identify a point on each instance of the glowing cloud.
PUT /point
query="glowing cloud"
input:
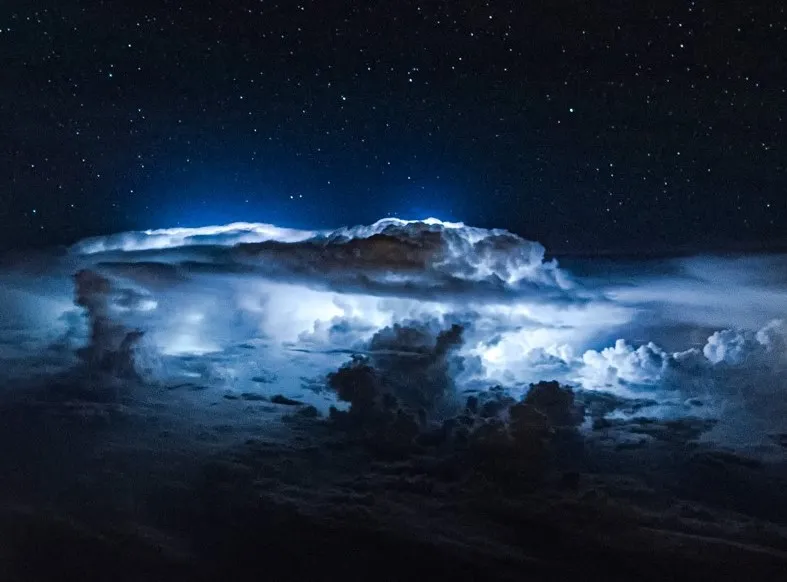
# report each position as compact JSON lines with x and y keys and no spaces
{"x":224,"y":302}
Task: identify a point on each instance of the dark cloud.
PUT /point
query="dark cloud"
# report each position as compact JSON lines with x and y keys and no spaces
{"x":409,"y":367}
{"x":110,"y":345}
{"x":403,"y":394}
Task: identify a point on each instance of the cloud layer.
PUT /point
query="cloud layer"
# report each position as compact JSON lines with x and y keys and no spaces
{"x":699,"y":336}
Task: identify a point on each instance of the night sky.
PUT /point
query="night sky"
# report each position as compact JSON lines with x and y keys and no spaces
{"x":591,"y":126}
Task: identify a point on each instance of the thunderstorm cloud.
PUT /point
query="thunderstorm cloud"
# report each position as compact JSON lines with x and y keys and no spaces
{"x":699,"y":336}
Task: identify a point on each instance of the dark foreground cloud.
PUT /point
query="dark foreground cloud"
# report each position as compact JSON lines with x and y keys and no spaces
{"x":409,"y":366}
{"x":403,"y":396}
{"x":110,"y":346}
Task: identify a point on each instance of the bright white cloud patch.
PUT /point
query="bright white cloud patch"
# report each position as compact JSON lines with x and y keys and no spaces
{"x":624,"y":365}
{"x":164,"y":238}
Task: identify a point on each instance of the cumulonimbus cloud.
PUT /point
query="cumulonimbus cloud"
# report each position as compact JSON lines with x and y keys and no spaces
{"x":630,"y":329}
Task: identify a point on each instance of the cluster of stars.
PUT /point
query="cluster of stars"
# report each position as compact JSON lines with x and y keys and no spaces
{"x":572,"y":124}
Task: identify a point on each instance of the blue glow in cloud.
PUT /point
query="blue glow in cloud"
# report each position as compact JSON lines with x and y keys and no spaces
{"x":200,"y":293}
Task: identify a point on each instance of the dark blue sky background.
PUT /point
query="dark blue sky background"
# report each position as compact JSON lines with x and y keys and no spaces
{"x":587,"y":126}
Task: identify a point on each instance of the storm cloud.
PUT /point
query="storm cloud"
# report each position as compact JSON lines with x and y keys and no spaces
{"x":433,"y":309}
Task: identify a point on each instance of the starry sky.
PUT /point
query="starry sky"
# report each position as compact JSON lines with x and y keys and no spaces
{"x":592,"y":126}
